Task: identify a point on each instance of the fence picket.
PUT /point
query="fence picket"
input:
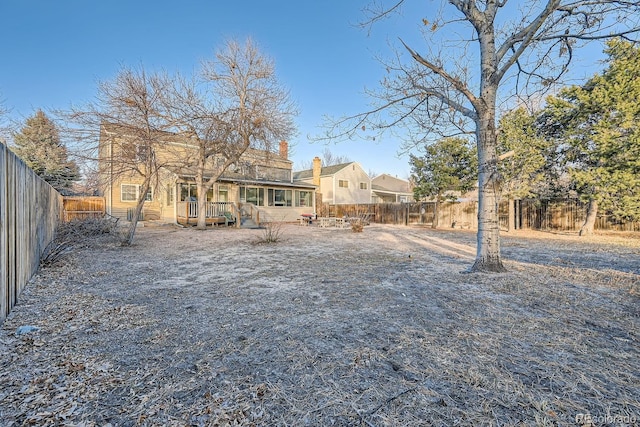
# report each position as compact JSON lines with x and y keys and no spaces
{"x":561,"y":215}
{"x":30,"y":210}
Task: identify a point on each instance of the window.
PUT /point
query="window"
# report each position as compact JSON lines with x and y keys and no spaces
{"x":170,"y":196}
{"x":136,"y":152}
{"x":278,"y":197}
{"x":142,"y":153}
{"x":223,"y":193}
{"x":188,"y":192}
{"x":131,"y":192}
{"x":342,"y":183}
{"x":363,"y":186}
{"x":304,"y":199}
{"x":253,"y":195}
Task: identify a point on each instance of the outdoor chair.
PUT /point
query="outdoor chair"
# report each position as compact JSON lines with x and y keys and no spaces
{"x":229,"y":218}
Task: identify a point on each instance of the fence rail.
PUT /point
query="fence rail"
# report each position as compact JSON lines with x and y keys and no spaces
{"x":30,"y":210}
{"x":83,"y":207}
{"x":560,"y":215}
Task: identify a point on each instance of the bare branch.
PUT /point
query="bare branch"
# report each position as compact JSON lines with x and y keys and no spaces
{"x":457,"y":84}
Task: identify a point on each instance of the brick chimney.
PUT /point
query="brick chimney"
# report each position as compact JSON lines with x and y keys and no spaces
{"x":284,"y":149}
{"x":317,"y":169}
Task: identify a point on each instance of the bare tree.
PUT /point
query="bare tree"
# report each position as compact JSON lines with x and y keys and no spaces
{"x":3,"y":128}
{"x":478,"y":53}
{"x":125,"y":129}
{"x":328,"y":159}
{"x":238,"y":105}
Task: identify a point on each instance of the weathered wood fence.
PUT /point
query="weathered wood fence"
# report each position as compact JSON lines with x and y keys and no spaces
{"x":30,"y":210}
{"x":449,"y":214}
{"x":562,"y":215}
{"x":559,"y":215}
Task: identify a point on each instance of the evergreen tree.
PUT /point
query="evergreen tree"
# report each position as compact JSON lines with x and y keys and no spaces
{"x":447,"y":166}
{"x":523,"y":172}
{"x":600,"y":125}
{"x":533,"y":163}
{"x":38,"y":145}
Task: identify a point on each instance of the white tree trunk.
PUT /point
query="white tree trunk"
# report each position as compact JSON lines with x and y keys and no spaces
{"x":488,"y":246}
{"x":202,"y":190}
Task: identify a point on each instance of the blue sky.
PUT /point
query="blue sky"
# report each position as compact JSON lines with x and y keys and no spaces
{"x":55,"y":51}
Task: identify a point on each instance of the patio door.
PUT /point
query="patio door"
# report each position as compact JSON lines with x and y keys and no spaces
{"x":223,"y":193}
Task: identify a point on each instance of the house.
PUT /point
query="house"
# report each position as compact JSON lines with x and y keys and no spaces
{"x":258,"y":187}
{"x":388,"y":189}
{"x":346,"y":183}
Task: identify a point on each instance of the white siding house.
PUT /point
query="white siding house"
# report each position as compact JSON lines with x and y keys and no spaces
{"x":346,"y":183}
{"x":389,"y":189}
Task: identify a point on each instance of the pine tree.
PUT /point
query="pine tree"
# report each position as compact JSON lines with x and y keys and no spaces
{"x":525,"y":173}
{"x":38,"y":145}
{"x":600,"y":124}
{"x":447,"y":166}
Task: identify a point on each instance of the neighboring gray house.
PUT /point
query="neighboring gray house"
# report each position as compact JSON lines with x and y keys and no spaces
{"x":388,"y":189}
{"x":346,"y":183}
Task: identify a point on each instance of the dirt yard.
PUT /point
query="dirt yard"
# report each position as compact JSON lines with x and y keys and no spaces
{"x":328,"y":328}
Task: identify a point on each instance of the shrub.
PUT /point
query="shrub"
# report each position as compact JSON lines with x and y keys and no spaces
{"x":271,"y":233}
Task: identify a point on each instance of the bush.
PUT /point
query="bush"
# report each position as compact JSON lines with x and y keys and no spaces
{"x":271,"y":233}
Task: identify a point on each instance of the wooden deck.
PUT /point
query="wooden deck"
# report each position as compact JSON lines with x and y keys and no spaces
{"x":218,"y":213}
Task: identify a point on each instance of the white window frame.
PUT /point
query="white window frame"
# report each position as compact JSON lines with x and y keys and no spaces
{"x":343,"y":183}
{"x":301,"y":201}
{"x":149,"y":197}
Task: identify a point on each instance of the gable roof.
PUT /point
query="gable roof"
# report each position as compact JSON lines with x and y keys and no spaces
{"x":325,"y":171}
{"x":389,"y":183}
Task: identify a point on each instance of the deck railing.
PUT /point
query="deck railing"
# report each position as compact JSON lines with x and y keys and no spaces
{"x":249,"y":210}
{"x":214,"y":209}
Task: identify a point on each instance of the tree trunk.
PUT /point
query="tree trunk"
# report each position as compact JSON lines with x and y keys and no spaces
{"x":202,"y":208}
{"x":202,"y":192}
{"x":488,"y":246}
{"x":128,"y":238}
{"x":592,"y":213}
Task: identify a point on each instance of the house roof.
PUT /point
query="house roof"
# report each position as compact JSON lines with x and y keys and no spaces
{"x":325,"y":171}
{"x":271,"y":183}
{"x":239,"y":179}
{"x":388,"y":183}
{"x":381,"y":189}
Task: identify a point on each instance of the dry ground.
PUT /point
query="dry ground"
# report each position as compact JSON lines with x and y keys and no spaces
{"x":327,"y":327}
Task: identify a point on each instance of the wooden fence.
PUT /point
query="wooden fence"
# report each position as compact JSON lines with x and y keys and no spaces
{"x":83,"y":207}
{"x":30,"y":210}
{"x":558,"y":215}
{"x":461,"y":215}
